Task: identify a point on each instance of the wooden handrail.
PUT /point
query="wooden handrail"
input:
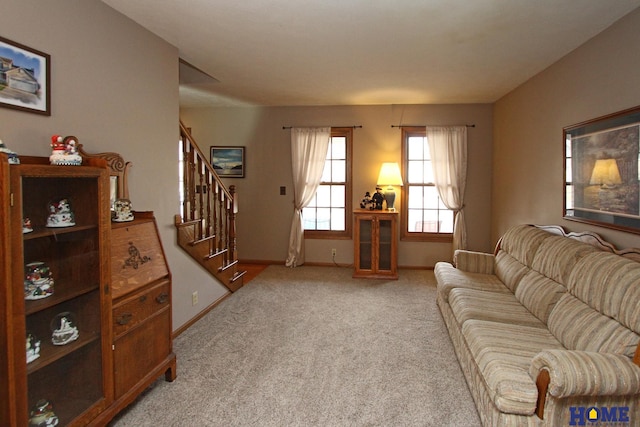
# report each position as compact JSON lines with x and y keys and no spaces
{"x":207,"y":200}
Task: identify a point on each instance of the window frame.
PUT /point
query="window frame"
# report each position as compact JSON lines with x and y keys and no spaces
{"x":405,"y":234}
{"x":346,"y":132}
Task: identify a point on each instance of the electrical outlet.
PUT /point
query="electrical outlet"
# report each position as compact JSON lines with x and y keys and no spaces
{"x":194,"y":298}
{"x":333,"y":252}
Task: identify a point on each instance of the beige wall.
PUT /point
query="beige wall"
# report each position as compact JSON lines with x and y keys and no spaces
{"x":599,"y":78}
{"x":114,"y":86}
{"x":265,"y":216}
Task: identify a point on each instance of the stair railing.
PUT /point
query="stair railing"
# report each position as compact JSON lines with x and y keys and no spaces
{"x":206,"y":201}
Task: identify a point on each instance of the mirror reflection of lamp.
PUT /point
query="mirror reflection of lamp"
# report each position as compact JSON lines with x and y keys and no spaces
{"x":606,"y":174}
{"x":390,"y":176}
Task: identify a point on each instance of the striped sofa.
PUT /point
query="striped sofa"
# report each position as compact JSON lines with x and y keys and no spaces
{"x":546,"y":330}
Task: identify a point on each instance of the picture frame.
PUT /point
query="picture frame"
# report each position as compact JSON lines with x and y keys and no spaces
{"x":25,"y":78}
{"x":601,"y":171}
{"x":228,"y":161}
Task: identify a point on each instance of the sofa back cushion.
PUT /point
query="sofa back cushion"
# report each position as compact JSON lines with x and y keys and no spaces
{"x":539,"y":294}
{"x":579,"y":327}
{"x":609,"y":284}
{"x":522,"y":242}
{"x":509,"y":270}
{"x":557,"y":256}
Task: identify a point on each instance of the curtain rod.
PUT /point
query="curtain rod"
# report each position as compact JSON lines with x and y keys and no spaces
{"x":354,"y":127}
{"x":419,"y":126}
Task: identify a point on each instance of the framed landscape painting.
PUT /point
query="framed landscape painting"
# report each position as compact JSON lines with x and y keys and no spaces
{"x":602,"y":162}
{"x":228,"y":162}
{"x":25,"y":76}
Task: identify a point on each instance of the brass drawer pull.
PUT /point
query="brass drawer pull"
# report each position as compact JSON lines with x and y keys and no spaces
{"x":162,"y":298}
{"x":124,"y":318}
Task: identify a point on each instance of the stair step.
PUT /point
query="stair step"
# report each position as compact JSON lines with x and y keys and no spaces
{"x":204,"y":239}
{"x":186,"y":223}
{"x":237,"y":275}
{"x":228,"y":266}
{"x":216,"y":254}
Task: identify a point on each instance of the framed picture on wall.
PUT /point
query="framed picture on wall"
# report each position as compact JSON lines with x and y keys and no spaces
{"x":228,"y":162}
{"x":602,"y":162}
{"x":25,"y":77}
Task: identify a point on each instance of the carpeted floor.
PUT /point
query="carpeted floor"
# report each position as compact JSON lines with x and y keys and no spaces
{"x":311,"y":346}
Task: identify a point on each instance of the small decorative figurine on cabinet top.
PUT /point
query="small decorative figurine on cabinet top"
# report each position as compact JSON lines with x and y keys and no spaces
{"x":60,"y":214}
{"x":13,"y":157}
{"x":122,"y":211}
{"x":377,"y":198}
{"x":38,"y":282}
{"x":42,"y":415}
{"x":64,"y":329}
{"x":64,"y":151}
{"x":366,"y":202}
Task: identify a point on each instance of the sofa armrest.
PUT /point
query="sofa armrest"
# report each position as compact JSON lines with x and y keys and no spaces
{"x":473,"y":262}
{"x":564,"y":373}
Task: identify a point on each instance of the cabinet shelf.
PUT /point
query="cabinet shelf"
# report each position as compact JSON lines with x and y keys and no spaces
{"x":62,"y":293}
{"x":41,"y":232}
{"x":50,"y":353}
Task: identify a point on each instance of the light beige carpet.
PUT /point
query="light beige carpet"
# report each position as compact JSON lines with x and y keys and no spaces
{"x":312,"y":346}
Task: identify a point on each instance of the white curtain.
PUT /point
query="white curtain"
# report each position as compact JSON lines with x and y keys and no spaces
{"x":308,"y":153}
{"x":448,"y":148}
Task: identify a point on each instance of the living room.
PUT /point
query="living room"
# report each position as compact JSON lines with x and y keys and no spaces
{"x":114,"y":85}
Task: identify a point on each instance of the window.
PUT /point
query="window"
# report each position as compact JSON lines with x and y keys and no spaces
{"x":326,"y":214}
{"x":424,"y":216}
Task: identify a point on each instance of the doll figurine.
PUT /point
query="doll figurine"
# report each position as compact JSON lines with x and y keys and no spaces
{"x":377,"y":199}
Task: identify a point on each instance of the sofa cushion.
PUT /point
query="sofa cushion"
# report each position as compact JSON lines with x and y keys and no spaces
{"x":503,"y":354}
{"x":469,"y":304}
{"x":610,"y":284}
{"x":509,"y":270}
{"x":522,"y":242}
{"x":557,"y":256}
{"x":450,"y":277}
{"x":579,"y":327}
{"x":539,"y":294}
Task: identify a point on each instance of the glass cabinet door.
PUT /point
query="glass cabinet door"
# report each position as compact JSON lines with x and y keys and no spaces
{"x":61,"y":286}
{"x":366,"y":244}
{"x":384,"y":244}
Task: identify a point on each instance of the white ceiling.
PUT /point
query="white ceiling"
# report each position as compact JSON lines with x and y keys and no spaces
{"x":367,"y":52}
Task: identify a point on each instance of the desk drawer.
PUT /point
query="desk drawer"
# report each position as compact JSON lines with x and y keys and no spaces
{"x":139,"y":306}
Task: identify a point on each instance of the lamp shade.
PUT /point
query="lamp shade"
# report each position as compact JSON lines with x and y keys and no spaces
{"x":390,"y":174}
{"x":605,"y":173}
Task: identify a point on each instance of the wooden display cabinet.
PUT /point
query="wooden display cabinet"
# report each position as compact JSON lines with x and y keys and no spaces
{"x":76,"y":378}
{"x":376,"y":244}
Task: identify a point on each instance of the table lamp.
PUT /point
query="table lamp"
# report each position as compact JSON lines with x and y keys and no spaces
{"x":390,"y":176}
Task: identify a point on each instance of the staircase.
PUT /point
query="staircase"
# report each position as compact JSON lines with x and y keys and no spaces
{"x":206,"y":226}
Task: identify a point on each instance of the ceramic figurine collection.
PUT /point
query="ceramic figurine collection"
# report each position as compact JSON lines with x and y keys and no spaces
{"x":373,"y":202}
{"x":38,"y":282}
{"x":33,"y":347}
{"x":42,"y":415}
{"x":60,"y":214}
{"x":64,"y":151}
{"x":122,"y":211}
{"x":64,"y":329}
{"x":13,"y":157}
